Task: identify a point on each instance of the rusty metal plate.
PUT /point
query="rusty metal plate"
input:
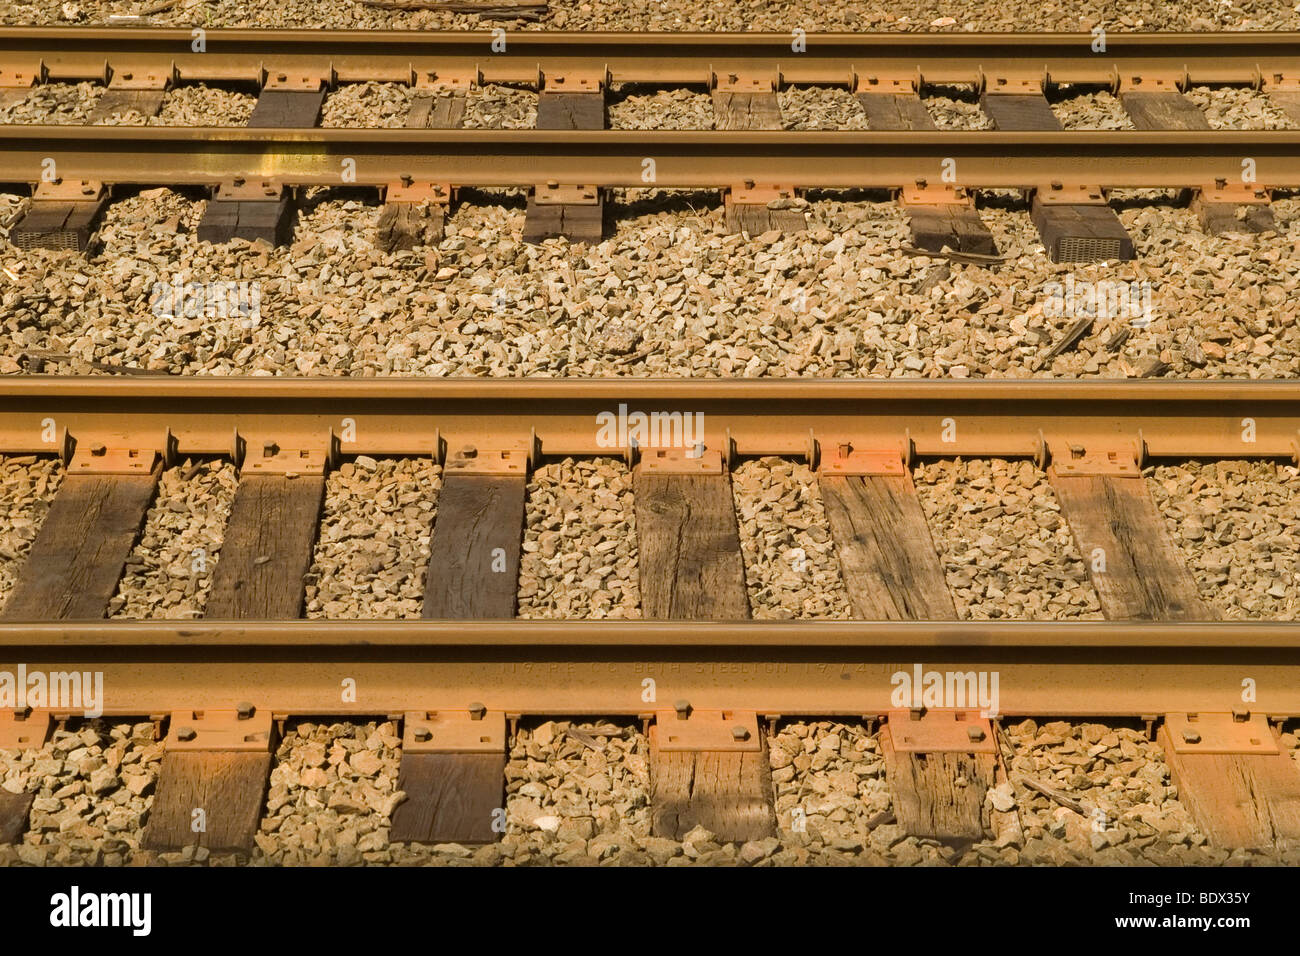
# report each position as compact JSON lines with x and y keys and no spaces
{"x":928,"y":195}
{"x":680,"y":461}
{"x":100,"y":460}
{"x":291,"y":80}
{"x":759,"y":195}
{"x":24,"y":729}
{"x":446,"y":80}
{"x":436,"y":193}
{"x":553,"y":194}
{"x":1152,"y":82}
{"x":846,"y":461}
{"x":742,"y":83}
{"x":477,"y":730}
{"x":1271,"y":82}
{"x":1014,"y":85}
{"x":224,"y":730}
{"x":70,"y":190}
{"x":734,"y":731}
{"x":895,"y":85}
{"x":271,"y":459}
{"x":133,"y":80}
{"x":1220,"y":734}
{"x":20,"y":77}
{"x":574,"y":82}
{"x":1238,"y":194}
{"x":1100,"y":463}
{"x":498,"y":462}
{"x":256,"y":190}
{"x":941,"y":731}
{"x":1062,"y":194}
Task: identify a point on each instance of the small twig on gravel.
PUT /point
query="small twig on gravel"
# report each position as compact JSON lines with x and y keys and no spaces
{"x":1117,"y":343}
{"x":1053,"y":794}
{"x":584,"y":738}
{"x":43,"y":355}
{"x":883,"y":818}
{"x":1071,"y":338}
{"x":501,"y":9}
{"x":975,"y":257}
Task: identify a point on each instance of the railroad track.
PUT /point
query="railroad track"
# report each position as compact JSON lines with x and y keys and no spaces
{"x":570,"y":161}
{"x":707,"y":682}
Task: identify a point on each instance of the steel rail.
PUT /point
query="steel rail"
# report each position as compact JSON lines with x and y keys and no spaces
{"x":853,"y":60}
{"x":703,"y":159}
{"x":574,"y":667}
{"x":407,"y":416}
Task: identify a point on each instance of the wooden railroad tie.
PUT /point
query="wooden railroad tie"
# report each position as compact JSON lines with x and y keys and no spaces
{"x":252,"y":209}
{"x":1216,"y":205}
{"x":1131,"y":559}
{"x":577,"y":212}
{"x":211,"y":789}
{"x":890,"y":567}
{"x":707,"y":768}
{"x":940,"y":764}
{"x":77,"y":558}
{"x":453,"y":761}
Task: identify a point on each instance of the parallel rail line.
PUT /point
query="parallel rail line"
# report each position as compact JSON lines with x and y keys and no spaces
{"x":704,"y":679}
{"x":60,"y":54}
{"x":570,"y":159}
{"x":616,"y":158}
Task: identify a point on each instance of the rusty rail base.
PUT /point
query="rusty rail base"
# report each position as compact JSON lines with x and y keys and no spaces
{"x":616,"y":158}
{"x":198,"y":416}
{"x":580,"y":667}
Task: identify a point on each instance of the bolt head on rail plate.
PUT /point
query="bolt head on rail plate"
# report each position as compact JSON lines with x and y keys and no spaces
{"x":843,"y":460}
{"x":759,"y":195}
{"x":1152,"y":83}
{"x":1083,"y":462}
{"x":892,"y":85}
{"x":268,"y":458}
{"x":438,"y":194}
{"x":553,"y":194}
{"x":728,"y":82}
{"x":99,"y":460}
{"x":224,"y":730}
{"x":1062,"y":194}
{"x":941,"y":731}
{"x":138,"y":80}
{"x":256,"y":190}
{"x":491,"y":462}
{"x":446,"y":80}
{"x":454,"y":731}
{"x":1014,"y":85}
{"x":19,"y":78}
{"x":1272,"y":82}
{"x":293,"y":81}
{"x":24,"y":729}
{"x":69,"y":190}
{"x":1237,"y":194}
{"x":680,"y":461}
{"x":942,"y":195}
{"x":733,"y":731}
{"x":1220,"y":734}
{"x":573,"y":82}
